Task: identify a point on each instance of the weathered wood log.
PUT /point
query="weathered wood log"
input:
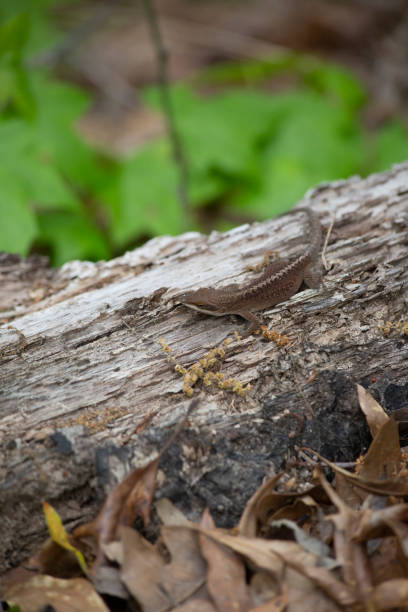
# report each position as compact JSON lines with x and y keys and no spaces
{"x":87,"y":391}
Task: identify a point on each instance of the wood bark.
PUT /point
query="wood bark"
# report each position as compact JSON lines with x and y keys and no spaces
{"x":87,"y":391}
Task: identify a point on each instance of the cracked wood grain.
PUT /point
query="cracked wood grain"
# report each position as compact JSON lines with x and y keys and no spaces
{"x":80,"y":345}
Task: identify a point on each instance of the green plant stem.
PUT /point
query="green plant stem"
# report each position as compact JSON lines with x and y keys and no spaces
{"x":174,"y":137}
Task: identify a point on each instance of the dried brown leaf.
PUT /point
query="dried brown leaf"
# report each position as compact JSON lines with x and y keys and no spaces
{"x":308,"y":543}
{"x":106,"y":579}
{"x":169,"y":514}
{"x":248,"y":525}
{"x":184,"y":576}
{"x":155,"y":583}
{"x":226,"y":574}
{"x":130,"y":499}
{"x":375,"y":415}
{"x":351,"y":495}
{"x":290,"y":591}
{"x":207,"y":521}
{"x":392,"y":594}
{"x":275,"y":555}
{"x":350,"y":553}
{"x":196,"y":605}
{"x":267,"y":504}
{"x":63,"y":595}
{"x":400,"y":530}
{"x":57,"y":561}
{"x":279,"y":603}
{"x":381,"y":461}
{"x":264,"y":587}
{"x":383,"y":458}
{"x":392,"y":486}
{"x":401,"y":417}
{"x":384,"y":522}
{"x":141,"y":570}
{"x":384,"y":560}
{"x":50,"y":559}
{"x":299,"y":507}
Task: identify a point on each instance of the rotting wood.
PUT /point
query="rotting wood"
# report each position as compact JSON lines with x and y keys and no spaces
{"x":80,"y":346}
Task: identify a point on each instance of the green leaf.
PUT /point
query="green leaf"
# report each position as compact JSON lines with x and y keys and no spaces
{"x":223,"y":132}
{"x":328,"y":79}
{"x":14,"y":85}
{"x":60,"y":536}
{"x":14,"y":35}
{"x":71,"y":236}
{"x":336,"y":82}
{"x":59,"y":107}
{"x":7,"y":80}
{"x":221,"y":137}
{"x":317,"y":141}
{"x":18,"y":227}
{"x":24,"y":100}
{"x":212,"y":142}
{"x":268,"y":150}
{"x":16,"y":96}
{"x":16,"y":140}
{"x":47,"y":188}
{"x":46,"y":161}
{"x":43,"y":184}
{"x":182,"y":97}
{"x":207,"y":186}
{"x":42,"y":33}
{"x":391,"y":145}
{"x":148,"y":196}
{"x":248,"y":72}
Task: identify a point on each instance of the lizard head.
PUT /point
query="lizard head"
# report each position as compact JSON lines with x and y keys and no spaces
{"x":203,"y":300}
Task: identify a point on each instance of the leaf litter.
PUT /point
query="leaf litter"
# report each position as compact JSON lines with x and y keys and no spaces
{"x":340,"y":543}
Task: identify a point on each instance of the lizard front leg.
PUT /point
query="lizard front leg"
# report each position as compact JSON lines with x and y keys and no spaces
{"x":255,"y":322}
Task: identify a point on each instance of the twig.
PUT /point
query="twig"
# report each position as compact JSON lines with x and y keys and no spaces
{"x":177,"y":148}
{"x":326,"y":241}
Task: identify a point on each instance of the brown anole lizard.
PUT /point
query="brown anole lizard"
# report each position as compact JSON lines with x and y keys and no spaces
{"x":280,"y":280}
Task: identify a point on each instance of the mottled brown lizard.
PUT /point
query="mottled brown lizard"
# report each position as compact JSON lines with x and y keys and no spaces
{"x":280,"y":280}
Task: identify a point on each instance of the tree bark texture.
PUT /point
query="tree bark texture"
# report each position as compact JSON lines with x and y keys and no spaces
{"x":88,"y":391}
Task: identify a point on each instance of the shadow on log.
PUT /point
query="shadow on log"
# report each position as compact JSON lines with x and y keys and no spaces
{"x":87,"y":392}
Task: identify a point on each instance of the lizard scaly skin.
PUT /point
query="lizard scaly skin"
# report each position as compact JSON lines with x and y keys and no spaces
{"x":279,"y":281}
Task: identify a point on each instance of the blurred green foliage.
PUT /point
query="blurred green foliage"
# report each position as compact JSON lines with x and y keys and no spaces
{"x":252,"y":152}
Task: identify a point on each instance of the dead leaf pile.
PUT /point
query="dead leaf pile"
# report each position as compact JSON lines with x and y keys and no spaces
{"x":338,"y":545}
